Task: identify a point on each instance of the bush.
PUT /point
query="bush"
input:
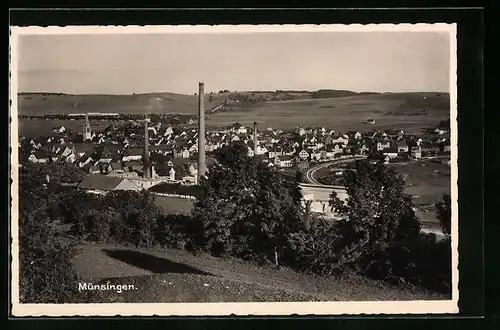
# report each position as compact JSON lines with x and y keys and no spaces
{"x":46,"y":272}
{"x":173,"y":232}
{"x":314,"y":249}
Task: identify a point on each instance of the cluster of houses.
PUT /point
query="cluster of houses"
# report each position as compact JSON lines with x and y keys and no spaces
{"x":119,"y":150}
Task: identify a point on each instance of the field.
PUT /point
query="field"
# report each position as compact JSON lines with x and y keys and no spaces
{"x":169,"y":275}
{"x":344,"y":113}
{"x":389,"y":110}
{"x":37,"y":103}
{"x":429,"y":180}
{"x":172,"y":205}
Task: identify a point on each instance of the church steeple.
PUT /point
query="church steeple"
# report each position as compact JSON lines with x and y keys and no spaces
{"x":87,"y":135}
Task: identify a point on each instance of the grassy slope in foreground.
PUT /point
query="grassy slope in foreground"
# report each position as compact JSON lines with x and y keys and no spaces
{"x":169,"y":275}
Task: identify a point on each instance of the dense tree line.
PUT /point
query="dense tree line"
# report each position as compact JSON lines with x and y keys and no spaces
{"x":244,"y":209}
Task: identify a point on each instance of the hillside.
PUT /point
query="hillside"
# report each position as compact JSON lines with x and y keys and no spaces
{"x":43,"y":103}
{"x":169,"y":275}
{"x":408,"y":111}
{"x":339,"y":110}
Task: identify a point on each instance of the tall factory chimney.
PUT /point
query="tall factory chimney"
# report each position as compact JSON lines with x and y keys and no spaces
{"x":146,"y":165}
{"x":201,"y":133}
{"x":255,"y":138}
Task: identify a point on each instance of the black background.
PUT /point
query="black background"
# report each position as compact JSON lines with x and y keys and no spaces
{"x":474,"y":286}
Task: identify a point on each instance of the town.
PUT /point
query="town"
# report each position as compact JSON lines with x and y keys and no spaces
{"x":118,"y":150}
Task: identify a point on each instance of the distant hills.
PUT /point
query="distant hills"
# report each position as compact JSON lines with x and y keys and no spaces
{"x":164,"y":102}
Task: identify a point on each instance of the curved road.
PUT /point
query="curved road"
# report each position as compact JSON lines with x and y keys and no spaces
{"x":310,"y":172}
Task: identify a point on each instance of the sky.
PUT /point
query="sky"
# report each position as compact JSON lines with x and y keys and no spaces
{"x":144,"y":63}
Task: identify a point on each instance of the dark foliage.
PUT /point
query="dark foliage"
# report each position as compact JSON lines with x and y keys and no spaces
{"x":443,"y":213}
{"x":245,"y":208}
{"x":381,"y":234}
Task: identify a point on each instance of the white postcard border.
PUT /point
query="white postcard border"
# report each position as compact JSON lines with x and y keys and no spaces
{"x":221,"y":309}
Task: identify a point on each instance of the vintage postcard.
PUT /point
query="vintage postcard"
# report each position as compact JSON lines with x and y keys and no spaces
{"x":245,"y":169}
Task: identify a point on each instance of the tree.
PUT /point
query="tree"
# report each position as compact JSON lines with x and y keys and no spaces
{"x":379,"y":222}
{"x":443,"y":213}
{"x":45,"y":268}
{"x":245,"y":208}
{"x":299,"y":176}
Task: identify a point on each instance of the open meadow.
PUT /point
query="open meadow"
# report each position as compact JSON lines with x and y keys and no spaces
{"x":427,"y":182}
{"x":170,"y":275}
{"x":45,"y":103}
{"x":173,"y":205}
{"x":346,"y":113}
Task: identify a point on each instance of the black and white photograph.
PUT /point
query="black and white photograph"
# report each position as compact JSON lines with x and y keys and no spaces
{"x":234,"y":169}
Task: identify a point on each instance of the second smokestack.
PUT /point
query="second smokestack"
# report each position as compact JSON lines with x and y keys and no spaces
{"x":255,"y":138}
{"x":201,"y":133}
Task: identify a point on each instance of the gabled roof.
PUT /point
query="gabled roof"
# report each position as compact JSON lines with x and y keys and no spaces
{"x":106,"y":183}
{"x":117,"y":166}
{"x":390,"y":150}
{"x":286,"y":157}
{"x":83,"y":147}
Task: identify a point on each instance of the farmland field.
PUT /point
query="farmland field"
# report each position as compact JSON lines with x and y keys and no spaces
{"x":343,"y":113}
{"x":172,"y":205}
{"x":408,"y":111}
{"x":38,"y":103}
{"x":429,"y":180}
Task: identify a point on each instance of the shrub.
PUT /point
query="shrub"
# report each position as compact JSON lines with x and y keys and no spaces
{"x":173,"y":232}
{"x":314,"y":249}
{"x":46,"y":272}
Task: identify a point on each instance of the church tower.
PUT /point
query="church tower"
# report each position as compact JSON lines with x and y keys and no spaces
{"x":87,"y":134}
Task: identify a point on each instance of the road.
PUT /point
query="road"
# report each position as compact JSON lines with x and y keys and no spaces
{"x":310,"y":172}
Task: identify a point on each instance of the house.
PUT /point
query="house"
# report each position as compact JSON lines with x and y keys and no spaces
{"x":132,"y":166}
{"x":391,"y":152}
{"x":238,"y":128}
{"x":440,"y":131}
{"x":85,"y":160}
{"x":81,"y":149}
{"x":132,"y":154}
{"x":416,"y":152}
{"x":316,"y":155}
{"x":363,"y":148}
{"x":284,"y":161}
{"x":60,"y":129}
{"x":406,"y":178}
{"x":94,"y":170}
{"x":301,"y":131}
{"x":402,"y":146}
{"x":115,"y":167}
{"x":169,"y":131}
{"x":344,"y":139}
{"x":445,"y":147}
{"x":181,"y":153}
{"x":100,"y":184}
{"x":275,"y":152}
{"x":39,"y":157}
{"x":303,"y":154}
{"x":383,"y":144}
{"x":71,"y":158}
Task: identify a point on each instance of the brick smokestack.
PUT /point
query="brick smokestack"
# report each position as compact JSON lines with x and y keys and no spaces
{"x":201,"y":133}
{"x":146,"y":165}
{"x":255,"y":138}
